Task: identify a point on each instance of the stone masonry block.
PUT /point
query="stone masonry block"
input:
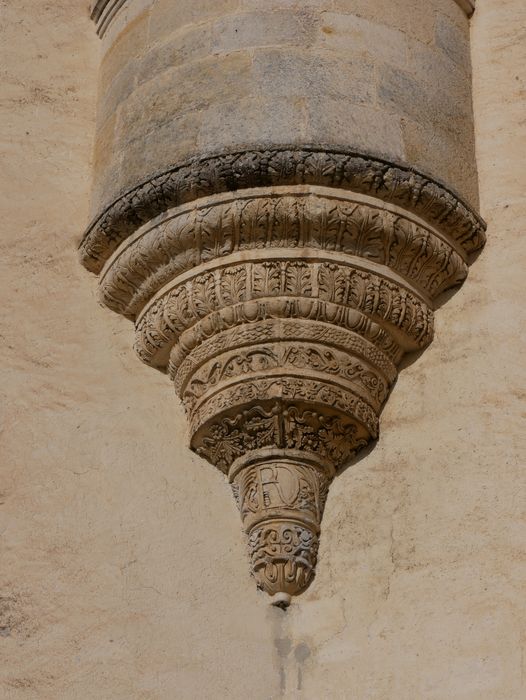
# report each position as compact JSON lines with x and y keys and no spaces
{"x":160,"y":101}
{"x":167,"y":144}
{"x":235,"y":32}
{"x":345,"y":32}
{"x":416,"y":18}
{"x":314,"y":74}
{"x":261,"y":120}
{"x":453,"y":42}
{"x":426,"y":103}
{"x":118,"y":91}
{"x":191,"y":44}
{"x":168,"y":16}
{"x":129,"y":45}
{"x":430,"y":150}
{"x":362,"y":127}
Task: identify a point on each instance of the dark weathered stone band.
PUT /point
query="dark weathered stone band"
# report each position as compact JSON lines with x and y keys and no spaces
{"x":310,"y":165}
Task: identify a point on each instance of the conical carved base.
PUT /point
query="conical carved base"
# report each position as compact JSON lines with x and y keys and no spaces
{"x":281,"y":501}
{"x":281,"y":312}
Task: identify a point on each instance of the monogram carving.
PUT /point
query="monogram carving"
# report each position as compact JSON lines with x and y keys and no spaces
{"x":279,"y":290}
{"x":283,"y":554}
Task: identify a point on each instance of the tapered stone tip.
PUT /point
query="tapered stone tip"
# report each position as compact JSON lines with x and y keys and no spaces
{"x":281,"y":600}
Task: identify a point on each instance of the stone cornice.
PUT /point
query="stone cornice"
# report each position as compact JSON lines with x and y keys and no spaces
{"x":315,"y":165}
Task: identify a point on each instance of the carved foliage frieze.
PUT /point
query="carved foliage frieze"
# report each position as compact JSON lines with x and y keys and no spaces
{"x":293,"y":218}
{"x":327,"y":287}
{"x":224,"y":172}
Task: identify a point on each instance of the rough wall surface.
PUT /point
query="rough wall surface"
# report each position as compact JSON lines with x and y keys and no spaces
{"x":115,"y":580}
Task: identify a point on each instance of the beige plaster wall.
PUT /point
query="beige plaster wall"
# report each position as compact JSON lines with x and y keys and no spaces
{"x":123,"y":574}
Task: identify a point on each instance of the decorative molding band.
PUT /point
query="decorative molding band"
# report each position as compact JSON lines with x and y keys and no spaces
{"x":218,"y":226}
{"x":229,"y":172}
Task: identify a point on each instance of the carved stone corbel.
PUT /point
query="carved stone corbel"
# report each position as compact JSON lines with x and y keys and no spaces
{"x":280,"y":289}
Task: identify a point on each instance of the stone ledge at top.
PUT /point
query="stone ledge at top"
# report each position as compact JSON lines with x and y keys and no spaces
{"x":104,"y":11}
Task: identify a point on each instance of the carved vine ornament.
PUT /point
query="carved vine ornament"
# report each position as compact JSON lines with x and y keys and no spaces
{"x":280,"y":289}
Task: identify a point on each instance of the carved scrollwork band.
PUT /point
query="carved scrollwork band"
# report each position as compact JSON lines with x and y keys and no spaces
{"x":280,"y":313}
{"x":294,"y":218}
{"x":278,"y":282}
{"x":185,"y":362}
{"x":260,"y":360}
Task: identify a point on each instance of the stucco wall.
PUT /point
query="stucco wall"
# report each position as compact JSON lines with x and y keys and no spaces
{"x":123,"y":569}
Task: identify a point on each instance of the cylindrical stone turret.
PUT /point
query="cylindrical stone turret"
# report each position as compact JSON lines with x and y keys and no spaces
{"x":281,"y":191}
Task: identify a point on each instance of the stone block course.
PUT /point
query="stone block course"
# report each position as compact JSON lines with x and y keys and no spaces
{"x":312,"y":74}
{"x":353,"y":124}
{"x":190,"y":44}
{"x":105,"y":161}
{"x":436,"y":68}
{"x":253,"y":30}
{"x":427,"y":103}
{"x":121,"y":87}
{"x":453,"y":42}
{"x":212,"y":80}
{"x":253,"y":120}
{"x":423,"y":147}
{"x":157,"y":149}
{"x":129,"y":45}
{"x":343,"y":32}
{"x":168,"y":16}
{"x":413,"y":17}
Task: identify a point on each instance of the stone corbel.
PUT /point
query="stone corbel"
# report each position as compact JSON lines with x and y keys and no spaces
{"x":278,"y":286}
{"x":280,"y":289}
